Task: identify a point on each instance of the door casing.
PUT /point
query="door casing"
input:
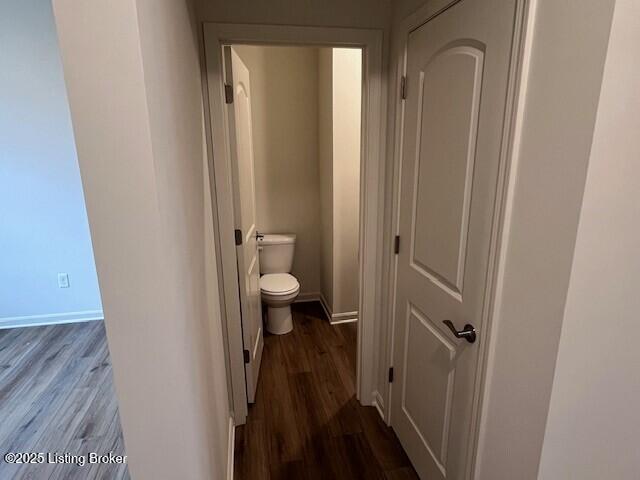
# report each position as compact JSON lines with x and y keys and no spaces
{"x":372,"y":182}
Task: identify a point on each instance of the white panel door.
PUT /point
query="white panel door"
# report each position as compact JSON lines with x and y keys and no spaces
{"x":245,"y":217}
{"x":457,"y":74}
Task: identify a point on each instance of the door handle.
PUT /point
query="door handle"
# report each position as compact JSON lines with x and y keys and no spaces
{"x":259,"y":236}
{"x":468,"y":332}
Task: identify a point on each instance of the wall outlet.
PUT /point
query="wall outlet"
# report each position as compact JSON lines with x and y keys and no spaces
{"x":63,"y":280}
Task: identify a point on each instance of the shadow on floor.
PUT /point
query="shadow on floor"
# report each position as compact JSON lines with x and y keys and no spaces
{"x":306,"y":422}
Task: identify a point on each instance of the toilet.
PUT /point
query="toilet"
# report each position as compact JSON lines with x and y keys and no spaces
{"x":278,"y":288}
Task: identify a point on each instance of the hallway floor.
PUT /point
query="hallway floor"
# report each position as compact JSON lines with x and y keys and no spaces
{"x":306,"y":422}
{"x":57,"y":396}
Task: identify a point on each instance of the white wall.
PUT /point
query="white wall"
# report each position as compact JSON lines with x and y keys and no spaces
{"x":340,"y":100}
{"x":43,"y":222}
{"x":220,"y":389}
{"x":593,"y":428}
{"x":347,"y":100}
{"x":303,"y":185}
{"x":549,"y":171}
{"x":353,"y":13}
{"x":284,"y":111}
{"x":132,"y":73}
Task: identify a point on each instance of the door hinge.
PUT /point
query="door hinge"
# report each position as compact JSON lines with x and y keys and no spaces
{"x":247,"y":356}
{"x":403,"y":88}
{"x":228,"y":93}
{"x":390,"y":374}
{"x":238,"y":234}
{"x":396,"y":245}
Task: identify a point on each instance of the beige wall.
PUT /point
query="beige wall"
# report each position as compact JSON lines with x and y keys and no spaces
{"x":325,"y":158}
{"x":306,"y":134}
{"x":284,"y":91}
{"x":562,"y":90}
{"x":353,"y":13}
{"x":340,"y":108}
{"x":593,"y":428}
{"x":132,"y":75}
{"x":219,"y":394}
{"x":347,"y":97}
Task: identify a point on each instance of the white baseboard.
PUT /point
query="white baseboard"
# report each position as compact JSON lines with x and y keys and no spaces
{"x":51,"y":319}
{"x":378,"y":402}
{"x":335,"y":318}
{"x":346,"y":317}
{"x":231,"y":448}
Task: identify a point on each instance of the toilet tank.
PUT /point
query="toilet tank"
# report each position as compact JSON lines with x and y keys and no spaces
{"x":276,"y":254}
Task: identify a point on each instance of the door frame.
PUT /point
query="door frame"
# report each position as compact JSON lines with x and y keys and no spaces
{"x":372,"y":169}
{"x":516,"y":89}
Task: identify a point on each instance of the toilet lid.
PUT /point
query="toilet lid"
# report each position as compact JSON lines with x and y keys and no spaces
{"x":278,"y":283}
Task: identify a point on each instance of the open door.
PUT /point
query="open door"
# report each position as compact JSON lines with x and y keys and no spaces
{"x":457,"y":72}
{"x":238,"y":98}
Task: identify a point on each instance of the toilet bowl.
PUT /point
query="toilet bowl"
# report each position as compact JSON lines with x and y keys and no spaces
{"x":278,"y":291}
{"x":278,"y":288}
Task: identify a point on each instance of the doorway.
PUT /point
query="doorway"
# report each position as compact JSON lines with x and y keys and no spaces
{"x":234,"y":263}
{"x":222,"y":141}
{"x":295,"y":121}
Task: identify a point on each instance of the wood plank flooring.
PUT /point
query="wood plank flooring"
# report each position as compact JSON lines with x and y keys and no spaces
{"x":57,"y":395}
{"x":306,"y":422}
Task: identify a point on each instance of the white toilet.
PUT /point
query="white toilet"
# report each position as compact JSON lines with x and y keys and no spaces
{"x":278,"y":287}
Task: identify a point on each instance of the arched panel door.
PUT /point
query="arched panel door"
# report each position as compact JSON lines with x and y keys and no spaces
{"x":457,"y":74}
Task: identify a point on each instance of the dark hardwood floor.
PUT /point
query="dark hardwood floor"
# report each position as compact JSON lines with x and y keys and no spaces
{"x":56,"y":395}
{"x":306,"y":422}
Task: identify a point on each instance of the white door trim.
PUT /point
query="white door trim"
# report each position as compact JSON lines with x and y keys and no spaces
{"x":519,"y":60}
{"x":371,"y":185}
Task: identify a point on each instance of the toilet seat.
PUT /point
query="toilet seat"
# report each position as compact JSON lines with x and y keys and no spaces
{"x":278,"y":284}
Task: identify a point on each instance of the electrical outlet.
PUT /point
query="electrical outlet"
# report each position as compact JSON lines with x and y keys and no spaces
{"x":63,"y":280}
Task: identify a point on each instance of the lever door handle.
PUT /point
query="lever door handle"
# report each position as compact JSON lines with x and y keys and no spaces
{"x":468,"y":332}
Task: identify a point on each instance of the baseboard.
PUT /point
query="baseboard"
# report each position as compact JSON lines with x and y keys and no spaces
{"x":307,"y":297}
{"x":51,"y":319}
{"x":335,"y":318}
{"x":325,"y":306}
{"x":378,"y":402}
{"x":231,"y":448}
{"x":346,"y":317}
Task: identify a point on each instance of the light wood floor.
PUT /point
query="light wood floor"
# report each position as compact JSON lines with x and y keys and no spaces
{"x":306,"y":422}
{"x":56,"y":395}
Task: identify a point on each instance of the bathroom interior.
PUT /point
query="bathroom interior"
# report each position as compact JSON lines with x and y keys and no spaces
{"x":305,"y":128}
{"x":305,"y":121}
